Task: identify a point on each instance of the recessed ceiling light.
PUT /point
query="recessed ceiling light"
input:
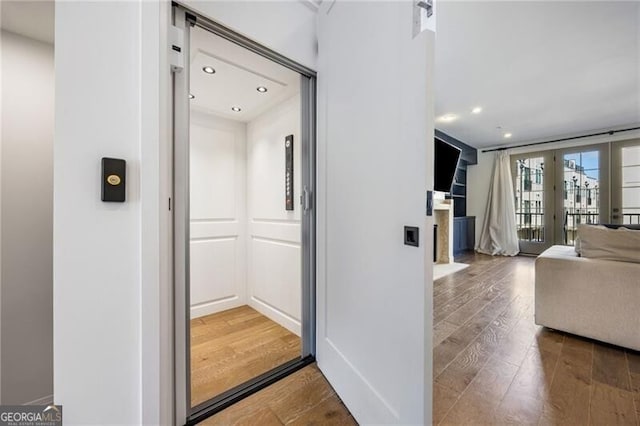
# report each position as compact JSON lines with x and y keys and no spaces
{"x":236,"y":109}
{"x":476,"y":110}
{"x":208,"y":70}
{"x":261,"y":89}
{"x":507,"y":135}
{"x":191,"y":96}
{"x":447,"y":118}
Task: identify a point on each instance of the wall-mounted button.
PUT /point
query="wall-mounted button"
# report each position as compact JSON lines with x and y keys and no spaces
{"x":411,"y":236}
{"x":114,"y":180}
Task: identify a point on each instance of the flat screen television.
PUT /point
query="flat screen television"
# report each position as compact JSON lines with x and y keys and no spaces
{"x":446,"y":162}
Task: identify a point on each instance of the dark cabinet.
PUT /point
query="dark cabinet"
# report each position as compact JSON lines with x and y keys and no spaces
{"x":464,"y":233}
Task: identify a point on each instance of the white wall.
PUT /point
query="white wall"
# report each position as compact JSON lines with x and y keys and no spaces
{"x":218,"y":214}
{"x":27,"y":219}
{"x":274,"y":244}
{"x":97,"y":245}
{"x":479,"y":175}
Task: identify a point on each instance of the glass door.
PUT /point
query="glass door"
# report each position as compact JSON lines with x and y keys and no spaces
{"x":582,"y":194}
{"x":625,"y":185}
{"x":533,"y":185}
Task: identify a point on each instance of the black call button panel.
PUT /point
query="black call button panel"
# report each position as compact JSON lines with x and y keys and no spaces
{"x":113,"y":179}
{"x":288,"y":172}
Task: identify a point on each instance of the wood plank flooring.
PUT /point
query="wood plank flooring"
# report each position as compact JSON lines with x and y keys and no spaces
{"x":493,"y":365}
{"x":303,"y":398}
{"x":231,"y":347}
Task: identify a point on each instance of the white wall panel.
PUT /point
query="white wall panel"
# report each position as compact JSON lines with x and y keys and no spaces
{"x":274,"y":262}
{"x":213,"y":173}
{"x":266,"y":161}
{"x":375,"y":151}
{"x":213,"y":275}
{"x":97,"y":246}
{"x":218,"y":219}
{"x":274,"y":274}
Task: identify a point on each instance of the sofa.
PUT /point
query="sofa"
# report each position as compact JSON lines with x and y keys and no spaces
{"x":593,"y":289}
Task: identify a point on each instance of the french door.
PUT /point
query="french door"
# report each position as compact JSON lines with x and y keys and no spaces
{"x":582,"y":189}
{"x":555,"y":191}
{"x":533,"y":182}
{"x":625,"y":182}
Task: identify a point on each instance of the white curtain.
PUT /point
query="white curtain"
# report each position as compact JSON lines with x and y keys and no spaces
{"x":499,"y":233}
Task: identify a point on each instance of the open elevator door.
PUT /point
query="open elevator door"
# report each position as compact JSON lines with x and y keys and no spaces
{"x":185,"y":25}
{"x":375,"y":138}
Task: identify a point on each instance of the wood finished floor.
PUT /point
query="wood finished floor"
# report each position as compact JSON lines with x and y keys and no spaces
{"x":231,"y":347}
{"x":303,"y":398}
{"x":493,"y":365}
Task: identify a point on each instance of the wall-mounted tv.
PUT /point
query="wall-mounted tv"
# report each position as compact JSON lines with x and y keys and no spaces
{"x":446,"y":161}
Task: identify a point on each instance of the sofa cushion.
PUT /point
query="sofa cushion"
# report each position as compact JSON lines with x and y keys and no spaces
{"x":599,"y":242}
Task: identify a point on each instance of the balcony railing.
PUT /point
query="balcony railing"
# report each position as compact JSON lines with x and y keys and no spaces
{"x":631,"y":218}
{"x":531,"y":225}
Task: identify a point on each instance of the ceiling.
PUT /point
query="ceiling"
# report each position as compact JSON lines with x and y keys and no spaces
{"x":537,"y":69}
{"x":33,"y":19}
{"x":238,"y":74}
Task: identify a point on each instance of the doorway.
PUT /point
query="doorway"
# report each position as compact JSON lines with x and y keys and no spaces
{"x":533,"y":185}
{"x":244,"y":219}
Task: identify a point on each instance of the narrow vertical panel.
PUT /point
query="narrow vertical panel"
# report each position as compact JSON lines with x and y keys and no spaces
{"x":288,"y":172}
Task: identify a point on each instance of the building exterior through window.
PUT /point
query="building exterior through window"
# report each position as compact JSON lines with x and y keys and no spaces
{"x":581,"y":192}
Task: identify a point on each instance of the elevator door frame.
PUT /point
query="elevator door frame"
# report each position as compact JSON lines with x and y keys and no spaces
{"x":184,"y":19}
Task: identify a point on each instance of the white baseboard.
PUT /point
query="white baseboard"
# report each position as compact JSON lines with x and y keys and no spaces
{"x":208,"y":308}
{"x":276,"y":315}
{"x":45,"y":400}
{"x":354,"y":388}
